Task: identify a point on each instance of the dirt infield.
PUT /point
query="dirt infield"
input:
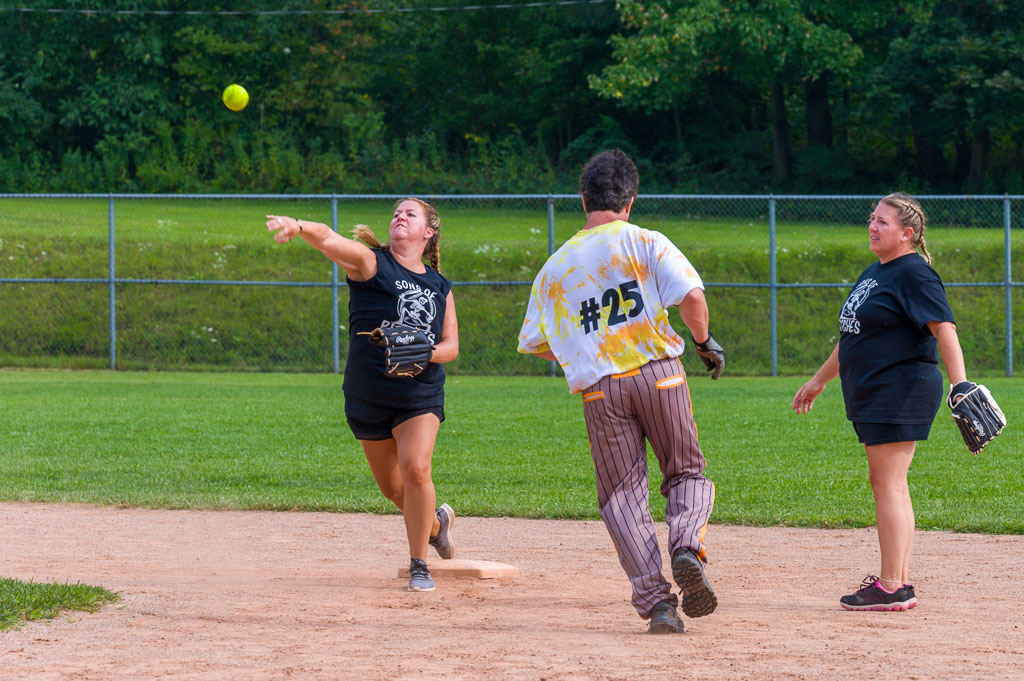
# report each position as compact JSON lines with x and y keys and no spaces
{"x":251,"y":595}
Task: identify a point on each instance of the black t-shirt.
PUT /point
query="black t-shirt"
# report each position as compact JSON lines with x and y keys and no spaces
{"x":394,"y":296}
{"x":888,"y":359}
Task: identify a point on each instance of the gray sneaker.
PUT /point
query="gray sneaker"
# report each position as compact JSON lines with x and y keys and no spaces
{"x":696,"y":597}
{"x":442,"y":541}
{"x":419,"y":576}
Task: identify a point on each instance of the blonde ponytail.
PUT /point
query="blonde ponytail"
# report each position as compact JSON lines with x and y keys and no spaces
{"x":366,"y":235}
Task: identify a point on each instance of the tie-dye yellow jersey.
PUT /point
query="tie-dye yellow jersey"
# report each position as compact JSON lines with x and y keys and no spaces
{"x":601,"y":302}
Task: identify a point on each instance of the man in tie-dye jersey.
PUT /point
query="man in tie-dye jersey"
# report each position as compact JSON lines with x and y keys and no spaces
{"x":600,"y":308}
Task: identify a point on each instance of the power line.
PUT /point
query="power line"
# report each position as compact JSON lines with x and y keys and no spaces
{"x":298,"y":12}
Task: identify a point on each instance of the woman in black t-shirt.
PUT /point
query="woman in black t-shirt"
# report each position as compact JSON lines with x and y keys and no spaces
{"x":890,"y":326}
{"x":395,"y":419}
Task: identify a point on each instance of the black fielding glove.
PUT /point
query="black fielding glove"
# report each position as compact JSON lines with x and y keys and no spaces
{"x":977,"y":415}
{"x":407,"y":349}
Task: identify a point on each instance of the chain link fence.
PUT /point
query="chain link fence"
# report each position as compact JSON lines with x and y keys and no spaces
{"x":195,"y":282}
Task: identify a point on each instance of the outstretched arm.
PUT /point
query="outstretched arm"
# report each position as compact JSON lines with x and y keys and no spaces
{"x":355,"y":258}
{"x":805,"y":396}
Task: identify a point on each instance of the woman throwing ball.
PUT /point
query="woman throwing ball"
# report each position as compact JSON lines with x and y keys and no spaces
{"x":395,"y":416}
{"x":890,"y":326}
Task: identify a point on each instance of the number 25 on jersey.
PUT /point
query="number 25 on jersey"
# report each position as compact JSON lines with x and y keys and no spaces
{"x":590,"y":311}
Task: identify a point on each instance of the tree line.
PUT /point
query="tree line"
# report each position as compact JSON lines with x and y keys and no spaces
{"x":823,"y":96}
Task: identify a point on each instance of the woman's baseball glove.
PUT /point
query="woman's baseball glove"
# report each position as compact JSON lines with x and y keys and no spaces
{"x":977,"y":415}
{"x":407,"y":349}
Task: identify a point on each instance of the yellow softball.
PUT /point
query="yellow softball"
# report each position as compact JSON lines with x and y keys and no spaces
{"x":235,"y":97}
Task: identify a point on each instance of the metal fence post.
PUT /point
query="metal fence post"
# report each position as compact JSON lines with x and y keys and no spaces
{"x":551,"y":225}
{"x":334,"y":290}
{"x":1008,"y":281}
{"x":111,"y":282}
{"x":552,"y":366}
{"x":773,"y":286}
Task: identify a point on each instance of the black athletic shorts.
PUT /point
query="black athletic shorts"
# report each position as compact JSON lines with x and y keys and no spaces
{"x":885,"y":433}
{"x":369,"y":421}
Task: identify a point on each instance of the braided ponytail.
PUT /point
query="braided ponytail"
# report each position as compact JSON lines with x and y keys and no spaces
{"x":434,"y":253}
{"x":924,"y":251}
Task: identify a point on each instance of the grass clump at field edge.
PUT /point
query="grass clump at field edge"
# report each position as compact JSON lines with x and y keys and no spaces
{"x":24,"y":601}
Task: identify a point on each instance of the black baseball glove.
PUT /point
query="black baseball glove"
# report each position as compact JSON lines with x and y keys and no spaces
{"x":712,"y":354}
{"x":407,"y":349}
{"x":977,"y":415}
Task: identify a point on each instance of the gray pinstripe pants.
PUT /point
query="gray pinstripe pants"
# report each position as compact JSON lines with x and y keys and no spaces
{"x":622,"y":411}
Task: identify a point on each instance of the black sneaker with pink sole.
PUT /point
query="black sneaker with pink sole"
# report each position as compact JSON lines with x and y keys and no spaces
{"x":871,"y":596}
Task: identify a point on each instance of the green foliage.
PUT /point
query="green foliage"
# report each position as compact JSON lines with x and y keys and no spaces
{"x":873,"y":96}
{"x":24,"y":601}
{"x":509,"y":447}
{"x":957,"y":77}
{"x":674,"y":46}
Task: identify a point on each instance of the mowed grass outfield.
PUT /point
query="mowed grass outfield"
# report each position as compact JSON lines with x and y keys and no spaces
{"x":273,"y":328}
{"x":509,"y":447}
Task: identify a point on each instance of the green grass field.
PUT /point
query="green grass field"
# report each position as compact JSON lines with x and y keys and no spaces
{"x":510,"y":446}
{"x":513,"y":222}
{"x":247,"y":328}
